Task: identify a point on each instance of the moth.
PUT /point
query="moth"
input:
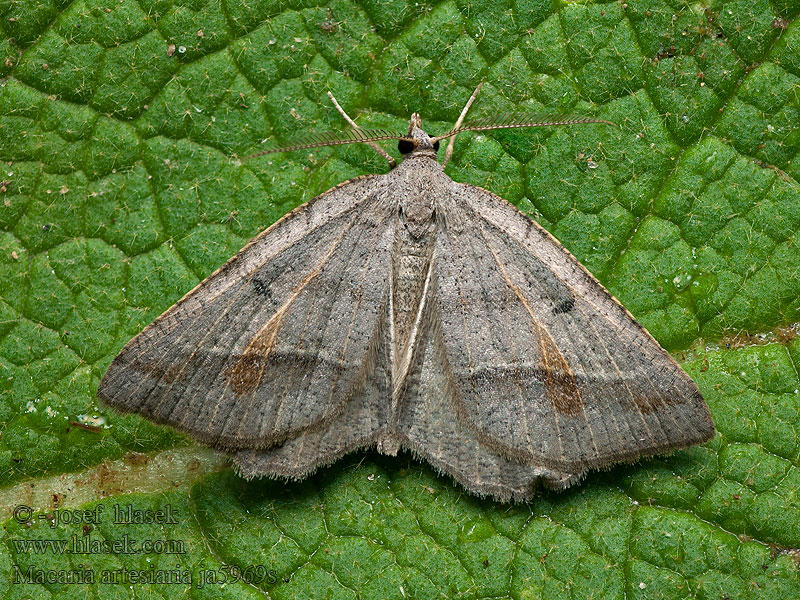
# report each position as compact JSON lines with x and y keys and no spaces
{"x":408,"y":311}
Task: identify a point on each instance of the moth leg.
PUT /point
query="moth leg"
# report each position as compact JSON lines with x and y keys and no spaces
{"x":449,"y":152}
{"x":373,"y":145}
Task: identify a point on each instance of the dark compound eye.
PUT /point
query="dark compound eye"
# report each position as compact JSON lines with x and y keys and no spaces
{"x":436,"y":146}
{"x":405,"y":146}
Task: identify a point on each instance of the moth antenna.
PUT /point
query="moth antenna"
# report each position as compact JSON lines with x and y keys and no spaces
{"x":449,"y":152}
{"x":354,"y":125}
{"x":317,"y":140}
{"x":512,"y":120}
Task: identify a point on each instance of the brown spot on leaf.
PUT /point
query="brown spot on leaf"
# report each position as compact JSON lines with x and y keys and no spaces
{"x":665,"y":53}
{"x":86,"y":426}
{"x":741,"y":340}
{"x":786,"y":334}
{"x":329,"y":26}
{"x":108,"y":480}
{"x":136,"y":458}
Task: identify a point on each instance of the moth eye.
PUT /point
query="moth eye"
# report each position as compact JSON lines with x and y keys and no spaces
{"x":405,"y":146}
{"x":436,"y":146}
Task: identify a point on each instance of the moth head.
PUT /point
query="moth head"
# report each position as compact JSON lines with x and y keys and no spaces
{"x":416,"y":140}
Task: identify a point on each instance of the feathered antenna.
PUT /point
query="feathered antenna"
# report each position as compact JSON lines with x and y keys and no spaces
{"x":337,"y":138}
{"x":356,"y":135}
{"x":370,"y":136}
{"x":520,"y":119}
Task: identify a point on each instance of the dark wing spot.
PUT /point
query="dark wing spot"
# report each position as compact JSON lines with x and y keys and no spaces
{"x":262,"y":288}
{"x":564,"y":306}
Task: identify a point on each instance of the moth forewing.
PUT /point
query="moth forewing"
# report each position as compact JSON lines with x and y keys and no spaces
{"x":224,"y":363}
{"x":603,"y":383}
{"x":409,"y":311}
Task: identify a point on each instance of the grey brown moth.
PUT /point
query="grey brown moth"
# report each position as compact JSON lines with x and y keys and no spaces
{"x":408,"y":311}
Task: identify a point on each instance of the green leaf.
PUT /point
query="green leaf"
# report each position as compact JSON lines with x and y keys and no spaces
{"x":120,"y":189}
